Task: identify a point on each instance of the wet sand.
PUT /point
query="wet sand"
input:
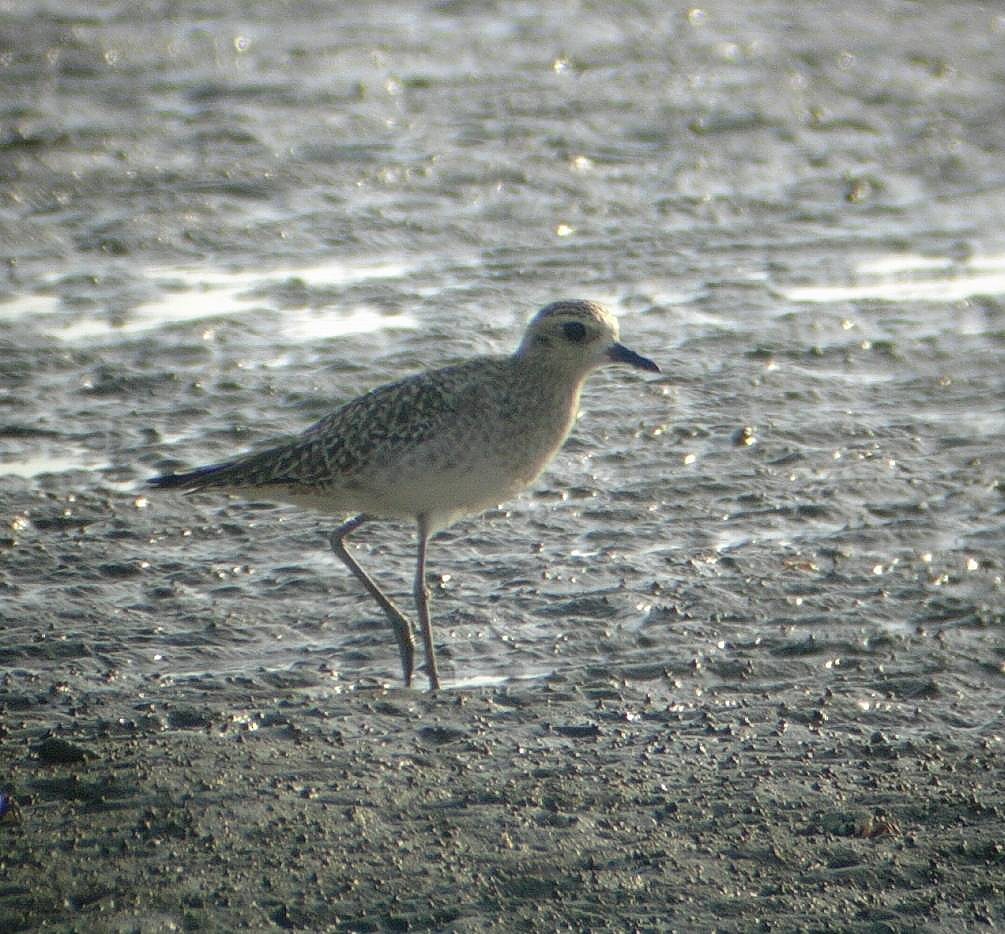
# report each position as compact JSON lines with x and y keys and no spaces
{"x":736,"y":662}
{"x":580,"y":804}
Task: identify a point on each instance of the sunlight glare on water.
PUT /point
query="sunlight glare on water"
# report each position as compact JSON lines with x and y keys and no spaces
{"x":910,"y":279}
{"x":192,"y":294}
{"x":35,"y":466}
{"x":27,"y":305}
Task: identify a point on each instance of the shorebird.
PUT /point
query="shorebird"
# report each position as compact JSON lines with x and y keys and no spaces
{"x":433,"y":447}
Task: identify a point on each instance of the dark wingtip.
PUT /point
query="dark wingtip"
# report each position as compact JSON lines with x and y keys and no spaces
{"x":173,"y":481}
{"x":166,"y":481}
{"x":190,"y":480}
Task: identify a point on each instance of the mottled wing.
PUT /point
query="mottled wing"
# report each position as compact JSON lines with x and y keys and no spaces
{"x":381,"y":425}
{"x":375,"y":429}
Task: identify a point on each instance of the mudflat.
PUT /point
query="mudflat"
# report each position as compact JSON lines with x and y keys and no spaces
{"x":581,"y":804}
{"x":735,"y":662}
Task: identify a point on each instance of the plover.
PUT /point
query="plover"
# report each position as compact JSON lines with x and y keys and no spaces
{"x":433,"y":447}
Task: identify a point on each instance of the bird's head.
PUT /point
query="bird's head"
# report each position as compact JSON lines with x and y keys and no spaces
{"x":578,"y":335}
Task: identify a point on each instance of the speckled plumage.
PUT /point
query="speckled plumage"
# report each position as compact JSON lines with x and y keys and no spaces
{"x":434,"y":446}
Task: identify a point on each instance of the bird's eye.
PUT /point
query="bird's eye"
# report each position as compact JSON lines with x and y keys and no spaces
{"x":575,"y":331}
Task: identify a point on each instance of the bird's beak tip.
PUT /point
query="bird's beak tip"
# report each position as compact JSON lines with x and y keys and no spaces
{"x":619,"y":353}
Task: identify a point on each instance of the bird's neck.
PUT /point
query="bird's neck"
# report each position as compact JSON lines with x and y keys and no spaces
{"x":544,"y":383}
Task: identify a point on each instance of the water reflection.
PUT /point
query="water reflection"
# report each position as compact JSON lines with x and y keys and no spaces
{"x":910,"y":278}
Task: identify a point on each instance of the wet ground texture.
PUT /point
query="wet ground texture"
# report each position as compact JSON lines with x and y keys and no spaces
{"x":735,"y":662}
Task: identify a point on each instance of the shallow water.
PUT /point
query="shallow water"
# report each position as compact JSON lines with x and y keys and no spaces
{"x":217,"y":227}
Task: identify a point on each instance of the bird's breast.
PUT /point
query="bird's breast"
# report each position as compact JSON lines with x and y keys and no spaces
{"x":479,"y":461}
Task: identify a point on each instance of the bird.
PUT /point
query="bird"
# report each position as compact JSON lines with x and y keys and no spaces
{"x":432,"y":447}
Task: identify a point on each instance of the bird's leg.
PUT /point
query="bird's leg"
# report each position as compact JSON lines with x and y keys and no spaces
{"x":422,"y":604}
{"x":399,"y":622}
